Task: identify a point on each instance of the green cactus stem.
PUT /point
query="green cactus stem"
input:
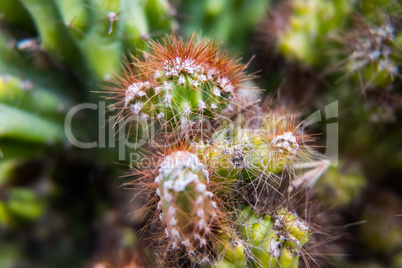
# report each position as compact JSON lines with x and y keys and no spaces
{"x":277,"y":240}
{"x":182,"y":85}
{"x":186,"y":207}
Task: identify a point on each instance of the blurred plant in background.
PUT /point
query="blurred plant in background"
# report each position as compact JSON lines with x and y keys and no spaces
{"x":62,"y":206}
{"x":56,"y":199}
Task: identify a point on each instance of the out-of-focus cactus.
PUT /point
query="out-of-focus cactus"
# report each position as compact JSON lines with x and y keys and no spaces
{"x":52,"y":54}
{"x":309,"y":26}
{"x":21,"y":93}
{"x":374,"y":51}
{"x":228,"y":21}
{"x":309,"y":31}
{"x":348,"y":52}
{"x":54,"y":35}
{"x":92,"y":37}
{"x":340,"y":185}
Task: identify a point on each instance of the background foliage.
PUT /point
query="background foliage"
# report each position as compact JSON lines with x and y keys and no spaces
{"x":62,"y":206}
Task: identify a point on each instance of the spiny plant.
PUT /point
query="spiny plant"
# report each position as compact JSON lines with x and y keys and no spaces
{"x":261,"y":151}
{"x":363,"y":38}
{"x":179,"y":86}
{"x":52,"y":55}
{"x":276,"y":240}
{"x":374,"y":52}
{"x":186,"y":215}
{"x":352,"y":53}
{"x":359,"y":54}
{"x":198,"y":184}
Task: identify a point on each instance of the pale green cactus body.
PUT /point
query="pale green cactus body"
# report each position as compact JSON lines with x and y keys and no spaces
{"x":183,"y":86}
{"x":234,"y":255}
{"x":309,"y":28}
{"x":287,"y":259}
{"x":231,"y":249}
{"x":274,"y":241}
{"x":252,"y":152}
{"x":186,"y":206}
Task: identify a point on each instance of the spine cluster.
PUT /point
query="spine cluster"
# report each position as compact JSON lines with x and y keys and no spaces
{"x":182,"y":86}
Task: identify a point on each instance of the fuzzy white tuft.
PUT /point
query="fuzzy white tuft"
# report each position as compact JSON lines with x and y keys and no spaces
{"x":286,"y":142}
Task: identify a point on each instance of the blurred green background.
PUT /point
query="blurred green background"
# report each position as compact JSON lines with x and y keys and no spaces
{"x":64,"y":206}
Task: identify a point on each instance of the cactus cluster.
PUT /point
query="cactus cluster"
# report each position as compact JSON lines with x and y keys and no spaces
{"x":199,"y":183}
{"x":221,"y":179}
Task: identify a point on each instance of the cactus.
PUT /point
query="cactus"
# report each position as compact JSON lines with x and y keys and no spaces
{"x":256,"y":158}
{"x":353,"y":58}
{"x":375,"y":53}
{"x":305,"y":28}
{"x":218,"y":182}
{"x":232,"y":251}
{"x":277,"y":240}
{"x":53,"y":54}
{"x":180,"y":85}
{"x":199,"y":185}
{"x":91,"y":37}
{"x":187,"y":209}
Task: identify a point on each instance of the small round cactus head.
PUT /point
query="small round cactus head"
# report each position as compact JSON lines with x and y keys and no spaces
{"x":278,"y":142}
{"x":257,"y":160}
{"x":181,"y":86}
